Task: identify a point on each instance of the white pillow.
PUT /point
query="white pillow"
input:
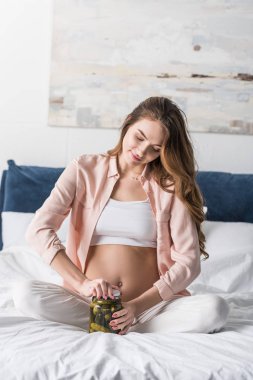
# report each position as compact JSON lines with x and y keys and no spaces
{"x":15,"y":224}
{"x":230,"y":264}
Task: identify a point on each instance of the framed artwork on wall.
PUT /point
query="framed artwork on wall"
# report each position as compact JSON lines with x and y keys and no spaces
{"x":107,"y":59}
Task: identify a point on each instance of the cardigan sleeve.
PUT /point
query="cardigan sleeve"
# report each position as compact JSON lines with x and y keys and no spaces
{"x":185,"y":252}
{"x":41,"y":233}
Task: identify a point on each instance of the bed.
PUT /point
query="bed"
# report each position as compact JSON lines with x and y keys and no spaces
{"x":32,"y":349}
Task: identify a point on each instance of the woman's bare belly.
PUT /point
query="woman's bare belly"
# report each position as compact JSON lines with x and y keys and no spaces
{"x":133,"y":269}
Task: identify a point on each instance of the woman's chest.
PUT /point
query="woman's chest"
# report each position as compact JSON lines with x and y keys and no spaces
{"x":126,"y":190}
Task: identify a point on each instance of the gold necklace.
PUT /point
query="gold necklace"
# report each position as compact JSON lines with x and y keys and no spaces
{"x":135,"y":178}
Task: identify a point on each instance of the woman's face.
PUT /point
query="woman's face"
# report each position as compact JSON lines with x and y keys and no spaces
{"x":142,"y":142}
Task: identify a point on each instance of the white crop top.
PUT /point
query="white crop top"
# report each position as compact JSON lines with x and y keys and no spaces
{"x":127,"y":223}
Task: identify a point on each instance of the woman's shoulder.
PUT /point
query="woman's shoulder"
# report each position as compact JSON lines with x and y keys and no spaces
{"x":167,"y":187}
{"x":91,"y":159}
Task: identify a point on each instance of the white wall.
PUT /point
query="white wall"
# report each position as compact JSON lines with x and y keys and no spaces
{"x":25,"y":44}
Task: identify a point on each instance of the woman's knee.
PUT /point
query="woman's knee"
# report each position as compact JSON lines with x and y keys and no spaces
{"x":220,"y":306}
{"x":217,"y":311}
{"x":22,"y":294}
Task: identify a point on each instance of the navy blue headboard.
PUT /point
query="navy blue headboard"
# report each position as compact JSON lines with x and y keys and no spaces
{"x":25,"y":188}
{"x":228,"y":197}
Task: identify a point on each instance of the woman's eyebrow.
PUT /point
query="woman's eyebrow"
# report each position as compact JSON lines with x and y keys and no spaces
{"x":146,"y":137}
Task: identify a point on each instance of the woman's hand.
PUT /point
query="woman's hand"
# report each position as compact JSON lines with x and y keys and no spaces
{"x":124,"y":317}
{"x":98,"y":288}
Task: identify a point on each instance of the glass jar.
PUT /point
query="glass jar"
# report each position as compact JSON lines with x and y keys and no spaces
{"x":101,"y":311}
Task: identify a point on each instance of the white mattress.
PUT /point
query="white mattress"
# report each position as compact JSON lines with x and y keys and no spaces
{"x":31,"y":349}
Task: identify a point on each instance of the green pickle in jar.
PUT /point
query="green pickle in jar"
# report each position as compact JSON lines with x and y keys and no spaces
{"x":101,"y":311}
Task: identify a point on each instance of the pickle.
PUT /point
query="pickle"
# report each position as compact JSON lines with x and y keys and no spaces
{"x":96,"y":309}
{"x":118,"y":307}
{"x":97,"y":327}
{"x":115,"y":308}
{"x":99,"y":319}
{"x":108,"y":317}
{"x":106,"y":310}
{"x":103,"y":302}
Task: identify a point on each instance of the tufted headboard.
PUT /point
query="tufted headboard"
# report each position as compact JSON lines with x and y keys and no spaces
{"x":228,"y":197}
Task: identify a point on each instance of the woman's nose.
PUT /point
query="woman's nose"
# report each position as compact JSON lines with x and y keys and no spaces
{"x":141,"y":151}
{"x":139,"y":154}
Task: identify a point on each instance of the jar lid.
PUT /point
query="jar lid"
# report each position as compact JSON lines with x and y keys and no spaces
{"x":116,"y":292}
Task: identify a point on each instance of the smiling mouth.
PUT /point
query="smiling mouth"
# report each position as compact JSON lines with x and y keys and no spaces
{"x":135,"y":158}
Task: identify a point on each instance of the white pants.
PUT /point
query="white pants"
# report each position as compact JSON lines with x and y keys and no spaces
{"x":204,"y":313}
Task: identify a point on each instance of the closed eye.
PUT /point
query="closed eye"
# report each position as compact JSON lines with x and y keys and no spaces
{"x":154,"y":149}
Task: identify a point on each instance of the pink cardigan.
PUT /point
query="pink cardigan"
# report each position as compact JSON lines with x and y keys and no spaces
{"x":84,"y":188}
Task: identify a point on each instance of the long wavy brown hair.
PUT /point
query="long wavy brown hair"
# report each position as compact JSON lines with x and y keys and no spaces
{"x":175,"y":167}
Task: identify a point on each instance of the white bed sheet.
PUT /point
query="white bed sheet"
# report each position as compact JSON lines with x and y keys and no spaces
{"x":36,"y":350}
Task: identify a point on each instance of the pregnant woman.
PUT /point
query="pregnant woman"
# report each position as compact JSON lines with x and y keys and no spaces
{"x":135,"y":225}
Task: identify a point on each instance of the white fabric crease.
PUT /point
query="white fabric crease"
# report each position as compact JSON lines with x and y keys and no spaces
{"x":32,"y":349}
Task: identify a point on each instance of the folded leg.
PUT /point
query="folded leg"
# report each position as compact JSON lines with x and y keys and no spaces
{"x":204,"y":313}
{"x":46,"y":301}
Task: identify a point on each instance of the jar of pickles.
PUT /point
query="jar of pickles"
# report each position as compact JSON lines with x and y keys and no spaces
{"x":101,"y":311}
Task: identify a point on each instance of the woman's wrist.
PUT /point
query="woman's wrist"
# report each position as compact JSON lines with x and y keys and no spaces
{"x":146,"y":300}
{"x":68,"y":270}
{"x":135,"y":307}
{"x":79,"y":286}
